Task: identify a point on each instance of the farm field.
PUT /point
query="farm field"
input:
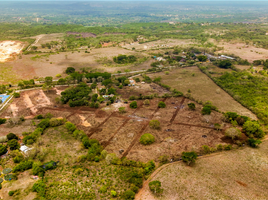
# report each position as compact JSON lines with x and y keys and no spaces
{"x":202,"y":88}
{"x":181,"y":129}
{"x":228,"y":175}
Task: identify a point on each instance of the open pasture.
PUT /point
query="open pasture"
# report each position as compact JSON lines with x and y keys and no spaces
{"x":228,"y":175}
{"x":202,"y":88}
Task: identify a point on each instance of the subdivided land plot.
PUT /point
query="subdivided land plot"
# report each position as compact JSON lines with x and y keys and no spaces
{"x":108,"y":129}
{"x":124,"y":137}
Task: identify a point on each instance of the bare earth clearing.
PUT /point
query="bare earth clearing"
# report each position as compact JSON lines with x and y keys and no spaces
{"x":238,"y":174}
{"x":181,"y":129}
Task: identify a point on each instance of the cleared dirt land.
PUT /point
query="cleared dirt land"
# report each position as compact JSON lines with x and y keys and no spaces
{"x":239,"y":174}
{"x":181,"y":129}
{"x":202,"y":88}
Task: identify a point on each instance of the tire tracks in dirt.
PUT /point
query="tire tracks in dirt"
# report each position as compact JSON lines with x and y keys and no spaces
{"x":93,"y":130}
{"x":106,"y":143}
{"x":177,"y":110}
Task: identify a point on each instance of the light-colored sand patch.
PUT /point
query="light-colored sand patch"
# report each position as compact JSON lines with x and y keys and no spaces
{"x":41,"y":100}
{"x":118,"y":105}
{"x":42,"y":94}
{"x":14,"y":109}
{"x":9,"y":49}
{"x":84,"y":122}
{"x":58,"y":92}
{"x":29,"y":104}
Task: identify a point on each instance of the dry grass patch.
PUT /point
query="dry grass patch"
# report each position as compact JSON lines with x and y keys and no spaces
{"x":202,"y":88}
{"x":238,"y":174}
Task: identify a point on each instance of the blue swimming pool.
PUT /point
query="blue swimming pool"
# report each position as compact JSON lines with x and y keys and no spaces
{"x":4,"y":97}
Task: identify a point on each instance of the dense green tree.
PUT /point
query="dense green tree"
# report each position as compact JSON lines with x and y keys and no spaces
{"x":70,"y":70}
{"x":133,"y":105}
{"x":189,"y":157}
{"x":202,"y":58}
{"x":253,"y":128}
{"x":161,"y":104}
{"x":13,"y":144}
{"x":11,"y":136}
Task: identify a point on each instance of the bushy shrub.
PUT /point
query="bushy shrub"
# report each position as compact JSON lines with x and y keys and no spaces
{"x":16,"y":95}
{"x":37,"y":169}
{"x":131,"y":98}
{"x":254,"y":143}
{"x":111,"y":159}
{"x":18,"y":159}
{"x":39,"y":117}
{"x":133,"y":105}
{"x":128,"y":195}
{"x":161,"y":104}
{"x":149,"y":167}
{"x":2,"y":121}
{"x":146,"y":102}
{"x":113,"y":193}
{"x":3,"y":149}
{"x":163,"y":159}
{"x":24,"y":165}
{"x":191,"y":106}
{"x":122,"y":110}
{"x":70,"y":127}
{"x":147,"y":138}
{"x":206,"y":110}
{"x":11,"y":193}
{"x":155,"y":187}
{"x":13,"y":144}
{"x":189,"y":157}
{"x":231,"y":116}
{"x":155,"y":124}
{"x":233,"y":133}
{"x":40,"y":188}
{"x":43,"y":124}
{"x":227,"y":147}
{"x":12,"y":136}
{"x":202,"y":58}
{"x":53,"y":122}
{"x":252,"y":128}
{"x":70,"y":70}
{"x":79,"y":134}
